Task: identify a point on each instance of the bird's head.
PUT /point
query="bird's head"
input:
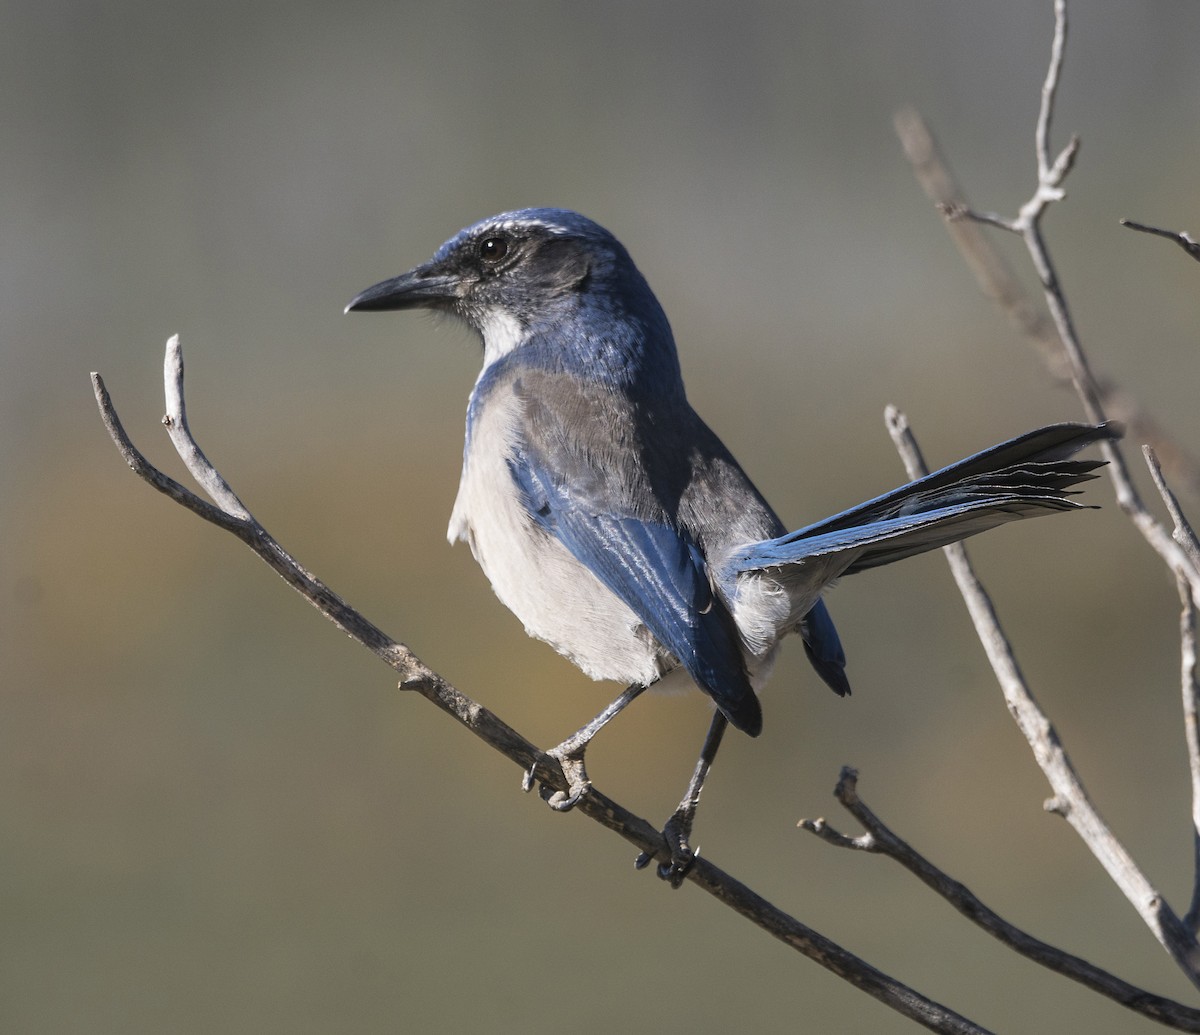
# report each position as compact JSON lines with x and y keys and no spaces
{"x":544,"y":278}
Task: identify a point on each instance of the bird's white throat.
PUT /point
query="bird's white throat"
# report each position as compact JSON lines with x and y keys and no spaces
{"x":502,"y":332}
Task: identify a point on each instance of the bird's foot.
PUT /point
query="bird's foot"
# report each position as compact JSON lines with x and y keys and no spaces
{"x":569,"y":756}
{"x":675,"y":833}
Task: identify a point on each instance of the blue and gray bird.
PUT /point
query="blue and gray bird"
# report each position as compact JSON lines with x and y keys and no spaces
{"x":613,"y":521}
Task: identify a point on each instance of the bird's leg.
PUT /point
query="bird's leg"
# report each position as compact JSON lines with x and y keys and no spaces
{"x":679,"y":827}
{"x":569,"y":755}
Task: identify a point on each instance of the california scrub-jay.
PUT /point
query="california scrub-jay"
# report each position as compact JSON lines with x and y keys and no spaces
{"x":615,"y":524}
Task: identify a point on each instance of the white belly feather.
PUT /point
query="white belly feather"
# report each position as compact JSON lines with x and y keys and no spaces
{"x":558,"y":599}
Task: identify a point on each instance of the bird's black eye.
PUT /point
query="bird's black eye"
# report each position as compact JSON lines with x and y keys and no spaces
{"x":493,"y":249}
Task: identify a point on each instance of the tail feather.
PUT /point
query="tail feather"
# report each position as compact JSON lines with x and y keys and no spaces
{"x":1024,"y":477}
{"x":824,"y":648}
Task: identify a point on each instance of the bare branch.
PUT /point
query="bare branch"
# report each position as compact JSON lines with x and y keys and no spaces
{"x":418,"y":677}
{"x":1191,"y":728}
{"x":1076,"y":364}
{"x":881,"y":839}
{"x":1183,"y":534}
{"x":149,"y":473}
{"x":1186,"y":537}
{"x":1185,"y":241}
{"x":176,"y":422}
{"x":1178,"y":939}
{"x":1046,"y":172}
{"x":996,"y":280}
{"x":1028,"y":224}
{"x":962,"y":212}
{"x":1070,"y":799}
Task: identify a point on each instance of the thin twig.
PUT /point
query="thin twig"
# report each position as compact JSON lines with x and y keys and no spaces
{"x":1183,"y":532}
{"x":1185,"y":241}
{"x":1029,"y":226}
{"x":1070,"y":799}
{"x":418,"y":677}
{"x":996,"y":280}
{"x":1190,"y":683}
{"x":881,"y":839}
{"x":176,"y":422}
{"x":1049,"y":88}
{"x":1190,"y":678}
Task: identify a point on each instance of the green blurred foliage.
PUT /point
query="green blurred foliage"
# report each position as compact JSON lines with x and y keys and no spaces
{"x":216,"y":814}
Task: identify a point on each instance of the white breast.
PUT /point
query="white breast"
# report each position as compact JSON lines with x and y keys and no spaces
{"x":558,"y":599}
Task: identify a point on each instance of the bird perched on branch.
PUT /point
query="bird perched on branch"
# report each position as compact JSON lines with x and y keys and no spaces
{"x":616,"y":525}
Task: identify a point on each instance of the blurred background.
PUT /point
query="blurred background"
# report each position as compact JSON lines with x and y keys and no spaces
{"x":217,"y":813}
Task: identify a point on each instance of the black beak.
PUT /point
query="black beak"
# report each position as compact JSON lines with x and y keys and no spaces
{"x":423,"y":287}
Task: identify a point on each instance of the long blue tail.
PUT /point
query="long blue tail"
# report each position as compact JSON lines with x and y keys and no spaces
{"x":1024,"y":477}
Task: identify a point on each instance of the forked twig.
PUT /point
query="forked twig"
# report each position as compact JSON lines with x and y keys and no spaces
{"x":1177,"y":937}
{"x":996,"y":280}
{"x":880,"y":839}
{"x":1028,"y":225}
{"x":1071,"y":800}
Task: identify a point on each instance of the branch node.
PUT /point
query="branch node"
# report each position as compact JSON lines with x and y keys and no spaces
{"x":1064,"y":162}
{"x":1057,"y":806}
{"x":832,"y":836}
{"x":957,"y":211}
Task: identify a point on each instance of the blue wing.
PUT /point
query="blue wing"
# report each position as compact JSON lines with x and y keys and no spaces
{"x":660,"y":573}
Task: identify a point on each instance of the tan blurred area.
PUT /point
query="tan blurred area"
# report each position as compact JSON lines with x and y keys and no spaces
{"x":218,"y":815}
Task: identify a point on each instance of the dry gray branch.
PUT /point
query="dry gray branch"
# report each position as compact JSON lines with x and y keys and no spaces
{"x":881,"y":839}
{"x":1028,"y":225}
{"x":419,"y":678}
{"x":1070,"y":799}
{"x":1190,"y":681}
{"x":1183,"y":533}
{"x":176,"y":422}
{"x":996,"y":280}
{"x":1177,"y":937}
